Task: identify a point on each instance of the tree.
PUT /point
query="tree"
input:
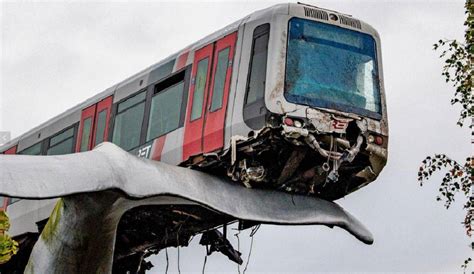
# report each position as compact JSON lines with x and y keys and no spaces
{"x":458,"y":70}
{"x":8,"y":246}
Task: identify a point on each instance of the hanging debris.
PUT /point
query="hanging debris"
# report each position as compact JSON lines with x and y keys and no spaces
{"x":217,"y":242}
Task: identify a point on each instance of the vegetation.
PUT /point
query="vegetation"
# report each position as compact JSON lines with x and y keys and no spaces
{"x":8,"y":246}
{"x":458,"y":70}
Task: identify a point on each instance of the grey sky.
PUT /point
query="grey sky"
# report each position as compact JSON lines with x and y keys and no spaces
{"x":55,"y":55}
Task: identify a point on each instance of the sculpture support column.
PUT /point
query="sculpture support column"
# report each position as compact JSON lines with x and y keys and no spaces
{"x":79,"y":236}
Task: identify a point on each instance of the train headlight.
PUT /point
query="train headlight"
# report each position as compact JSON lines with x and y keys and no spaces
{"x":288,"y":121}
{"x":298,"y":124}
{"x":375,"y":139}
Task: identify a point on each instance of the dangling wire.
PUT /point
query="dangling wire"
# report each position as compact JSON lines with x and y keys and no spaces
{"x":204,"y":265}
{"x":166,"y":252}
{"x":238,"y":247}
{"x":167,"y":261}
{"x":329,"y":159}
{"x":248,"y":257}
{"x":254,"y":230}
{"x":177,"y":239}
{"x":252,"y":234}
{"x":331,"y":147}
{"x":179,"y":270}
{"x":334,"y":150}
{"x":205,"y":260}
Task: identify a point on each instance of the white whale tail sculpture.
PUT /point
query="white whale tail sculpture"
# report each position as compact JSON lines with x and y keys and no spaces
{"x":99,"y":187}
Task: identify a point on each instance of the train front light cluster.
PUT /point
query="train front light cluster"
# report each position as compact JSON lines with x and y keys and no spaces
{"x":378,"y":140}
{"x":293,"y":122}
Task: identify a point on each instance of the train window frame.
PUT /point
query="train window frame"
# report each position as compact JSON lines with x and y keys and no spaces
{"x":156,"y":96}
{"x":86,"y":140}
{"x":182,"y":74}
{"x":377,"y":115}
{"x":116,"y":111}
{"x":258,"y":32}
{"x":257,"y":106}
{"x":73,"y":138}
{"x":98,"y":122}
{"x":41,"y":150}
{"x":220,"y":101}
{"x":204,"y":90}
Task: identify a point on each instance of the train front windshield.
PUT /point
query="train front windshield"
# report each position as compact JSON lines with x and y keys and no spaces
{"x":332,"y":67}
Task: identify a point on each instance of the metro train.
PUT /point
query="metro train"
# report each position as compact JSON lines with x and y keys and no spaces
{"x":290,"y":98}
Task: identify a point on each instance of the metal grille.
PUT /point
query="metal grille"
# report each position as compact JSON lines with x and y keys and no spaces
{"x":318,"y":14}
{"x":350,"y":22}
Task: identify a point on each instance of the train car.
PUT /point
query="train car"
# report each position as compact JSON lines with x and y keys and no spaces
{"x":290,"y":97}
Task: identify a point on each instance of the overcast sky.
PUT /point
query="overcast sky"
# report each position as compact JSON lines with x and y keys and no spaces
{"x":55,"y":55}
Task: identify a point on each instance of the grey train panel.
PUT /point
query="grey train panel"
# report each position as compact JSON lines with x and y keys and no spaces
{"x":239,"y":127}
{"x":173,"y":147}
{"x":233,"y":87}
{"x":48,"y":131}
{"x":161,"y":71}
{"x":129,"y":88}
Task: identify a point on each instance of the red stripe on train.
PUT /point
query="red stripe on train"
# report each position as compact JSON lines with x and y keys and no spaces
{"x":11,"y":150}
{"x":158,"y":145}
{"x":4,"y":205}
{"x":182,"y":60}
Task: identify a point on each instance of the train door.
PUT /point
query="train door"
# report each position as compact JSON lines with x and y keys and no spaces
{"x":102,"y":118}
{"x":84,"y":140}
{"x":208,"y":97}
{"x":94,"y":125}
{"x":218,"y":94}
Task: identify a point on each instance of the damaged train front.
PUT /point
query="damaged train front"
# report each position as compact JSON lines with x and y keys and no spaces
{"x":326,"y":131}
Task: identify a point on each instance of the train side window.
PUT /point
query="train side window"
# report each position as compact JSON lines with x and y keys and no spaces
{"x":100,"y":131}
{"x":32,"y":150}
{"x":86,"y":133}
{"x":198,"y":97}
{"x":219,"y":79}
{"x":258,"y":64}
{"x":254,"y":107}
{"x":128,"y":122}
{"x":62,"y":143}
{"x":165,"y":113}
